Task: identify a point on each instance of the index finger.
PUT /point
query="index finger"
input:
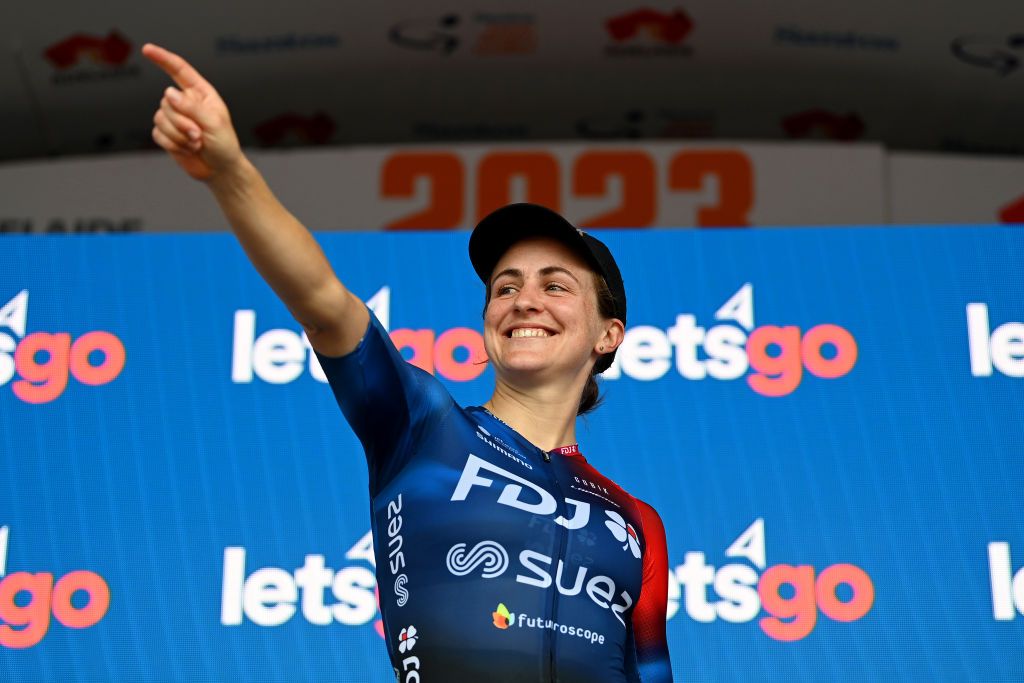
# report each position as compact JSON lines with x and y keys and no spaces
{"x":180,"y":71}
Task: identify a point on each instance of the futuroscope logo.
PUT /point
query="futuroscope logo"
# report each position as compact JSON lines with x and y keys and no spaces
{"x":778,"y":355}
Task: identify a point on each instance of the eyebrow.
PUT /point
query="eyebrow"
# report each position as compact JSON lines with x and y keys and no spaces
{"x":544,"y":272}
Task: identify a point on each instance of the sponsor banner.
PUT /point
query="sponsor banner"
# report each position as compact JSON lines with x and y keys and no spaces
{"x":930,"y":188}
{"x":827,"y":421}
{"x":400,"y":188}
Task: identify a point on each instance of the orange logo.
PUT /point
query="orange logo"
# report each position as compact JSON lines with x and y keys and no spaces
{"x":317,"y":129}
{"x":502,"y":617}
{"x":832,"y":126}
{"x":113,"y":50}
{"x":664,"y":27}
{"x":1013,"y":212}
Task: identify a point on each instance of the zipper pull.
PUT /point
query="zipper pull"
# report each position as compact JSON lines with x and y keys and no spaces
{"x":547,"y":457}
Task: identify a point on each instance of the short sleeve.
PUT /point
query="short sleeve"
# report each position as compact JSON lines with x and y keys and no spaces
{"x":387,"y":402}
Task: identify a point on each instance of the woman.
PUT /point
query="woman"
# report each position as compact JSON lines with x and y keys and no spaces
{"x":502,"y":555}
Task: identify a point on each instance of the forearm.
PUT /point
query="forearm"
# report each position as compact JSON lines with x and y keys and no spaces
{"x":283,"y":251}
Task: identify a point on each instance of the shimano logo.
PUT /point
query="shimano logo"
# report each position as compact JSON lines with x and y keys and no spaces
{"x":485,"y":436}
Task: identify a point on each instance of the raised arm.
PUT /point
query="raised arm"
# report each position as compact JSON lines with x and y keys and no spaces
{"x":193,"y":125}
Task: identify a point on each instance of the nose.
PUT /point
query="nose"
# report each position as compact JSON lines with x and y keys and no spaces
{"x":528,"y":298}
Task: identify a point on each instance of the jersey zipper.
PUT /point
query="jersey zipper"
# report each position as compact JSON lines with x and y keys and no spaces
{"x":549,"y":634}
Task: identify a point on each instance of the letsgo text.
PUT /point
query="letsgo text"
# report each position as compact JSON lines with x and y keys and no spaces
{"x":79,"y":599}
{"x":1007,"y":587}
{"x":1002,"y":347}
{"x":280,"y":356}
{"x":43,"y":362}
{"x":270,"y":596}
{"x":779,"y":355}
{"x":791,"y":595}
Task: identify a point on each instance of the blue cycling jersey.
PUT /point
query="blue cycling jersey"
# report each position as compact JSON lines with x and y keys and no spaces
{"x":497,"y":561}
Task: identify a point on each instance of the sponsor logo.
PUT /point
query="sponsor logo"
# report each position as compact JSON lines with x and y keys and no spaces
{"x":824,"y":124}
{"x":649,"y":33}
{"x":499,"y":445}
{"x":28,"y":602}
{"x":78,"y":225}
{"x":1013,"y":212}
{"x":1007,"y":587}
{"x":503,"y":619}
{"x":44,"y":362}
{"x":281,"y":356}
{"x":396,"y":558}
{"x":436,"y":131}
{"x":487,"y":554}
{"x":1001,"y":348}
{"x":545,"y":505}
{"x":652,"y":123}
{"x":778,"y":355}
{"x":270,"y":596}
{"x":837,"y":40}
{"x":283,"y":42}
{"x":407,"y":639}
{"x":792,"y":596}
{"x":490,"y":33}
{"x":317,"y":129}
{"x":623,"y":532}
{"x":84,"y":58}
{"x":999,"y":54}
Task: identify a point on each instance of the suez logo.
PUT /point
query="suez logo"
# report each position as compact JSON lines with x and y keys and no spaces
{"x":43,"y":362}
{"x":504,"y":619}
{"x":779,"y":355}
{"x":791,"y":595}
{"x":1002,"y":347}
{"x":1007,"y":587}
{"x":79,"y":599}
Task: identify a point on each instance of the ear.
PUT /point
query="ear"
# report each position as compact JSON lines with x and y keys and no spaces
{"x":611,"y":338}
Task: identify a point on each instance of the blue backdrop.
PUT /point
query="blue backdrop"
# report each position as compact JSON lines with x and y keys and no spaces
{"x":829,"y":422}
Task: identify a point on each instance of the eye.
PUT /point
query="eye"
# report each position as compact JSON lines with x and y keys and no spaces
{"x":554,"y":287}
{"x":504,"y":290}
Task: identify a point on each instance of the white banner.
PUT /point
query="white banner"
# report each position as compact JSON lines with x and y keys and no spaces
{"x":595,"y":185}
{"x":931,"y":188}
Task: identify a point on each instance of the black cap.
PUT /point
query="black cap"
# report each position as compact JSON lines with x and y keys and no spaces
{"x":502,"y":228}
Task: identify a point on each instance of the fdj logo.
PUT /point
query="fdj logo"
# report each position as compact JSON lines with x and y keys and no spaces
{"x":778,"y":355}
{"x":791,"y":595}
{"x":27,"y":601}
{"x":44,"y":361}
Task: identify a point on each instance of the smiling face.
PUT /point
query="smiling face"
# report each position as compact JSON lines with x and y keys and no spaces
{"x":542,"y":320}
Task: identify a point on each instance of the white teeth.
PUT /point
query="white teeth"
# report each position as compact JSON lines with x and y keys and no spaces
{"x":529,"y":332}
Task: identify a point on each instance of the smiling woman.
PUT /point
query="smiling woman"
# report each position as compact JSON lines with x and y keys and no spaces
{"x":586,"y":599}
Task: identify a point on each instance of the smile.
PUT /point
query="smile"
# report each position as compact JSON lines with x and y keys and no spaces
{"x":521,"y":332}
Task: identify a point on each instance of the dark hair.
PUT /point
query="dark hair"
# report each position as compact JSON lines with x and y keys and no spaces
{"x":591,"y":397}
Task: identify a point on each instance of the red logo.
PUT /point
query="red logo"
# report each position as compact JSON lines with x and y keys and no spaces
{"x":317,"y":129}
{"x":113,"y":50}
{"x":1013,"y":212}
{"x":25,"y":620}
{"x":663,"y":27}
{"x":831,"y":126}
